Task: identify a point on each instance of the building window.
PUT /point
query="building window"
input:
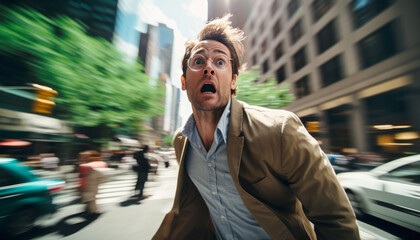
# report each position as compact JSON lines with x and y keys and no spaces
{"x":265,"y":66}
{"x":281,"y":74}
{"x":292,"y":7}
{"x":320,"y":7}
{"x":262,"y":27}
{"x":296,"y":32}
{"x":274,"y":7}
{"x":340,"y":127}
{"x":299,"y":59}
{"x":326,"y":37}
{"x":302,"y":87}
{"x":276,"y":28}
{"x":378,"y":46}
{"x":279,"y":50}
{"x":263,"y":46}
{"x":364,"y":10}
{"x":331,"y":71}
{"x":251,"y":27}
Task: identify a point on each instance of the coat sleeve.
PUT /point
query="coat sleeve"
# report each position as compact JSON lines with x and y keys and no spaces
{"x":312,"y":178}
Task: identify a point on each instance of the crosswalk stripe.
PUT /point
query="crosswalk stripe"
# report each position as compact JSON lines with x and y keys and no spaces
{"x":116,"y":184}
{"x":112,"y":194}
{"x":120,"y":189}
{"x":111,"y":200}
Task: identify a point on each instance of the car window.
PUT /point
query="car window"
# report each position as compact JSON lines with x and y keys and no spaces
{"x":6,"y":178}
{"x":409,"y":173}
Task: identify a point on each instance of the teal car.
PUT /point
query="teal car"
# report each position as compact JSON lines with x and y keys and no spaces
{"x":24,"y":197}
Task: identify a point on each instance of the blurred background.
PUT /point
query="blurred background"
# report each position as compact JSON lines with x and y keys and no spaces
{"x":103,"y":75}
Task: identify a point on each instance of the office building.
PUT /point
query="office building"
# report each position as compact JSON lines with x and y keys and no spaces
{"x":351,"y":64}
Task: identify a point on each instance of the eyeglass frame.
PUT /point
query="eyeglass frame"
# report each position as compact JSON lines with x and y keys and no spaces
{"x":206,"y":59}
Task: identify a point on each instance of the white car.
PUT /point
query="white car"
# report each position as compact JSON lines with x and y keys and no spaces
{"x":390,"y":191}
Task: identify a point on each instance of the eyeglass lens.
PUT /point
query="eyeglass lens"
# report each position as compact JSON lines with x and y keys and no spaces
{"x":198,"y":61}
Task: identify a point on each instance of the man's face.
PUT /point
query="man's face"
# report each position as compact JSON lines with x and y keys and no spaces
{"x":210,"y":82}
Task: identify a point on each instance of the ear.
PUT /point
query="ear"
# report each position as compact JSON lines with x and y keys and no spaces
{"x":233,"y":83}
{"x":183,"y":82}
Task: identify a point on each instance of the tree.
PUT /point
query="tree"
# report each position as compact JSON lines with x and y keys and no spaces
{"x":96,"y":85}
{"x":266,"y":94}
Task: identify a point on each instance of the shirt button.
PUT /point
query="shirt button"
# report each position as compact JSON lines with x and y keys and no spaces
{"x":199,"y":145}
{"x":209,"y":164}
{"x":214,"y":193}
{"x":222,"y":217}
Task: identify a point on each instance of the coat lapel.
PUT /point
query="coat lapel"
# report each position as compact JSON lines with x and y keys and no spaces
{"x":235,"y":141}
{"x":180,"y":144}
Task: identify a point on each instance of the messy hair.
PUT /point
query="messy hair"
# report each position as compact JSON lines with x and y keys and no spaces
{"x":221,"y":30}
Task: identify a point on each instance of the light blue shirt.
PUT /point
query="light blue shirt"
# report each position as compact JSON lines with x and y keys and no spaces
{"x":210,"y":173}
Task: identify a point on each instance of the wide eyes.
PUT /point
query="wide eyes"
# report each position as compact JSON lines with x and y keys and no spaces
{"x":198,"y":61}
{"x":220,"y":62}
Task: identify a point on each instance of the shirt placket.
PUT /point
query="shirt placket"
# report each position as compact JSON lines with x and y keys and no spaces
{"x":211,"y":166}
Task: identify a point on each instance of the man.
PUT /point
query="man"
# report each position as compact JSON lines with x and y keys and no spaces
{"x":247,"y":172}
{"x":143,"y":167}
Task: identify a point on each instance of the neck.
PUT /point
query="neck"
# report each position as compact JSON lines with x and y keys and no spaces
{"x":206,"y":122}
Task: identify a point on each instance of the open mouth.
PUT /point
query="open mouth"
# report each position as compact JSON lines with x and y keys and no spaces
{"x":208,"y":88}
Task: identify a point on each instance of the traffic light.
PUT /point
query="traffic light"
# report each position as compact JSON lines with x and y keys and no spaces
{"x":44,"y":101}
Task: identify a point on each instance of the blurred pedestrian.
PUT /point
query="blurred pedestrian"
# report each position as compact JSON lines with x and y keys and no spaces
{"x":49,"y":161}
{"x":91,"y":175}
{"x":247,"y":172}
{"x":142,"y":170}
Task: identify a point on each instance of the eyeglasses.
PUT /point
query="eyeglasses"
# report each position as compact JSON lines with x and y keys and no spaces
{"x":197,"y":62}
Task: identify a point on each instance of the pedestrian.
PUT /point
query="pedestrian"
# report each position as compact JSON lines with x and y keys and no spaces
{"x":247,"y":172}
{"x":49,"y":161}
{"x":142,"y":170}
{"x":91,"y":175}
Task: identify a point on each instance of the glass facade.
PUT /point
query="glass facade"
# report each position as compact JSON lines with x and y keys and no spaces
{"x":339,"y":122}
{"x":281,"y":74}
{"x":296,"y":32}
{"x":299,"y":59}
{"x":320,"y":7}
{"x":326,"y":37}
{"x":302,"y":87}
{"x":292,"y":7}
{"x":365,"y":10}
{"x":279,"y":50}
{"x":331,"y":71}
{"x":378,"y":46}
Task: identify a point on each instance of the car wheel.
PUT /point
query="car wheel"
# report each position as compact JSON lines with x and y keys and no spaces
{"x":22,"y":221}
{"x":356,"y":204}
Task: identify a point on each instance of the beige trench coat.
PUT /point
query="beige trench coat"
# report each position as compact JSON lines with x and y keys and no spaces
{"x":281,"y":174}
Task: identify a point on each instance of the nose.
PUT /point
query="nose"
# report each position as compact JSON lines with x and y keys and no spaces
{"x":208,"y":69}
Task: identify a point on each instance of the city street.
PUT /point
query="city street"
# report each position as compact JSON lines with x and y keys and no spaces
{"x":125,"y":218}
{"x":122,"y":218}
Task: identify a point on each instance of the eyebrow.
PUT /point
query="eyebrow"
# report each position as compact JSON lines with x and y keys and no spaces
{"x":202,"y":50}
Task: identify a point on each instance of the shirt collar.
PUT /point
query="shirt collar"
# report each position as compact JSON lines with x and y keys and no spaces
{"x":222,"y":125}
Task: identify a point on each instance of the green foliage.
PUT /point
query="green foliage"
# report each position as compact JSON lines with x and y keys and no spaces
{"x":167,"y":140}
{"x":266,"y":94}
{"x":95,"y":83}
